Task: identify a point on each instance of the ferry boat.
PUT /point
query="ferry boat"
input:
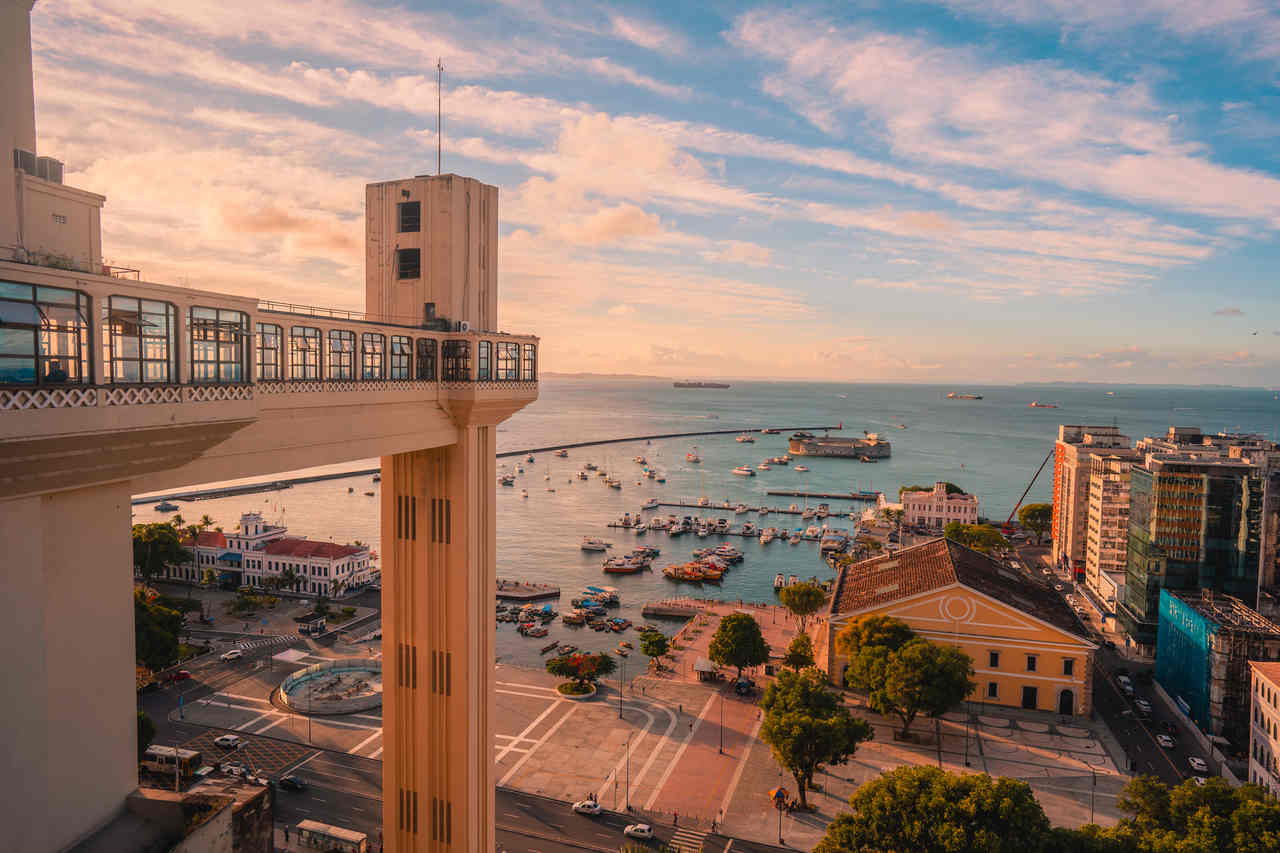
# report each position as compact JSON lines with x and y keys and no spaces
{"x":778,"y":581}
{"x":744,"y":471}
{"x":954,"y":396}
{"x":590,"y":544}
{"x":1036,"y":404}
{"x":745,"y":439}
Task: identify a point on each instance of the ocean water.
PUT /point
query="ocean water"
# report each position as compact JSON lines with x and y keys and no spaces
{"x":990,"y":447}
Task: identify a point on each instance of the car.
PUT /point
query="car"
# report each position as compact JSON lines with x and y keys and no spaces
{"x":234,"y":654}
{"x":1197,"y":764}
{"x":235,"y":768}
{"x":590,"y":807}
{"x":292,"y":783}
{"x":1200,"y":780}
{"x":180,"y":675}
{"x":1059,"y":587}
{"x":1142,"y":705}
{"x":229,"y":741}
{"x":638,"y":830}
{"x":1165,"y":741}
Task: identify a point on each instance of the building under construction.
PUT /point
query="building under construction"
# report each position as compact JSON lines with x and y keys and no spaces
{"x":1205,"y":642}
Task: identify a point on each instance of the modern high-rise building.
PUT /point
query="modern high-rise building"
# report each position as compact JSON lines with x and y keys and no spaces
{"x":1072,"y":452}
{"x":1107,"y":529}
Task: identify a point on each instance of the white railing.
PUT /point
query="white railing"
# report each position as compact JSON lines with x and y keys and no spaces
{"x":217,"y":393}
{"x":316,"y":386}
{"x":140,"y":395}
{"x":26,"y":399}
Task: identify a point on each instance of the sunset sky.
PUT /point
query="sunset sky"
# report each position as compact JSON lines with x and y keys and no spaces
{"x":958,"y":191}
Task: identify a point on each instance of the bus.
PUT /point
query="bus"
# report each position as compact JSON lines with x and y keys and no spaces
{"x":312,"y":833}
{"x":164,"y":759}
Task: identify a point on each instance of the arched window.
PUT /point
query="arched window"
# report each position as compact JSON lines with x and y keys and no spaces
{"x":139,"y":341}
{"x":304,"y":353}
{"x":508,"y":364}
{"x":268,"y":345}
{"x":44,"y":335}
{"x":456,"y":361}
{"x":484,"y":360}
{"x":401,"y":353}
{"x":219,"y":343}
{"x":371,"y":350}
{"x":427,"y":359}
{"x":342,"y":354}
{"x":529,"y":366}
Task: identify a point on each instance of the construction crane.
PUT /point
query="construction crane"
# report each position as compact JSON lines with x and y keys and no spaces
{"x":1007,"y":528}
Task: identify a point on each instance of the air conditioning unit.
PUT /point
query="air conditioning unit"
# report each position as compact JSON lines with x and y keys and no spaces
{"x":49,"y":169}
{"x":24,"y":160}
{"x":464,"y":326}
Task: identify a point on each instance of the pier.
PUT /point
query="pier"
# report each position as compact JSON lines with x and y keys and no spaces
{"x":750,"y":509}
{"x":519,"y":591}
{"x":846,"y":496}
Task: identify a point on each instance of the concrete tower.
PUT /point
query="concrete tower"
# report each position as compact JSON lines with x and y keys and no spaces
{"x":17,"y":110}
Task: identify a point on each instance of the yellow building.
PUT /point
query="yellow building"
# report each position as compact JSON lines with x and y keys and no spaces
{"x":1028,"y":648}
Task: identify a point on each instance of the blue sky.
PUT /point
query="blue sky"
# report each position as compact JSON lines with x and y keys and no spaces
{"x":957,"y":191}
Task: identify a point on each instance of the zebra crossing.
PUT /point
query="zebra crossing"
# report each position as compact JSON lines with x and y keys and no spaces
{"x":686,"y":840}
{"x":263,"y":641}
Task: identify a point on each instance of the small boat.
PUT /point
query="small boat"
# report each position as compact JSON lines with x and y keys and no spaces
{"x":370,"y":494}
{"x":808,"y":512}
{"x":625,"y":644}
{"x":749,"y":529}
{"x":640,"y":460}
{"x":795,"y":538}
{"x":744,"y":471}
{"x":588,"y":466}
{"x":529,"y":458}
{"x":778,"y":581}
{"x":350,"y":489}
{"x":567,"y":649}
{"x":652,"y":503}
{"x":622,"y":652}
{"x":576,"y":616}
{"x":549,"y":646}
{"x":563,"y":454}
{"x":582,"y":475}
{"x":954,"y":396}
{"x":792,"y":580}
{"x":507,"y":480}
{"x":692,"y":457}
{"x":590,"y":544}
{"x":524,"y":493}
{"x":802,"y":468}
{"x":769,"y":431}
{"x":745,"y":439}
{"x":1036,"y":404}
{"x":764,"y":510}
{"x":763,"y":466}
{"x":166,"y":506}
{"x":613,"y":484}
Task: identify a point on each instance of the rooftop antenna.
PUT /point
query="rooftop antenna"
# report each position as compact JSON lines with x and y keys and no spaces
{"x":439,"y":111}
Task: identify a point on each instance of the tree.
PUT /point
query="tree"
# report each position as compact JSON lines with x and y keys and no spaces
{"x":979,"y":537}
{"x":800,"y":653}
{"x":322,"y":604}
{"x":924,"y":810}
{"x":920,"y":676}
{"x":803,"y":600}
{"x":205,"y":522}
{"x":289,"y":579}
{"x":582,"y":668}
{"x":155,"y":547}
{"x":806,"y":726}
{"x":156,"y":630}
{"x":873,"y":630}
{"x":1037,"y":518}
{"x":654,"y":644}
{"x":146,"y":733}
{"x":738,"y":642}
{"x":952,"y":489}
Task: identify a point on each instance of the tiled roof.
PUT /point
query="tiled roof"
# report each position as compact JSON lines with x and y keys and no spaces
{"x":940,"y":563}
{"x":207,"y":539}
{"x":291,"y":547}
{"x":1269,"y":669}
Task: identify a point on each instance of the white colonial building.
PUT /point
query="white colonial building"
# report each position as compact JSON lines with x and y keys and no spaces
{"x":936,"y":509}
{"x":257,"y":551}
{"x":1264,"y":729}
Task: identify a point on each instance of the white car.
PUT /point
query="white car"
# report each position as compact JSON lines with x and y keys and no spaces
{"x":234,"y":654}
{"x":1200,"y":780}
{"x":590,"y":807}
{"x":1165,"y":741}
{"x":1197,"y":764}
{"x":1143,"y":705}
{"x":638,"y":830}
{"x":229,"y":741}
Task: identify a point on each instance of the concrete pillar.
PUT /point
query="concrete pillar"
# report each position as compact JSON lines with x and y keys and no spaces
{"x":17,"y":111}
{"x":438,"y":577}
{"x":68,"y":746}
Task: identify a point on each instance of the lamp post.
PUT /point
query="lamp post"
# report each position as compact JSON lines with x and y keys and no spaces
{"x":722,"y":721}
{"x":629,"y":773}
{"x":621,"y":678}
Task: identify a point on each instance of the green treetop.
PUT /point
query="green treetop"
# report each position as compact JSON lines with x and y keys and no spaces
{"x":738,"y":642}
{"x":800,"y":653}
{"x":1037,"y":518}
{"x":803,"y":600}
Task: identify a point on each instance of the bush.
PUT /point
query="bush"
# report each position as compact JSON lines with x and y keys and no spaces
{"x":571,"y":688}
{"x":348,"y":611}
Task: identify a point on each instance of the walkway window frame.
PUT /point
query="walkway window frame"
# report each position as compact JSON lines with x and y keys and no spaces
{"x":529,"y":363}
{"x":268,"y":343}
{"x":373,"y":347}
{"x":133,"y":352}
{"x":218,"y":339}
{"x":506,"y":364}
{"x":484,"y":361}
{"x":305,"y":343}
{"x":341,"y":349}
{"x":455,"y":360}
{"x":43,"y":329}
{"x":427,"y":359}
{"x":400,"y":357}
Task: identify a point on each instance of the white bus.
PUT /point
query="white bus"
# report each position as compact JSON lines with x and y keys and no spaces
{"x":312,"y":833}
{"x":164,"y":760}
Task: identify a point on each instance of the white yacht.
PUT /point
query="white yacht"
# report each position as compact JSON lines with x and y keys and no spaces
{"x":778,"y":581}
{"x":763,"y":466}
{"x":802,"y":468}
{"x":701,"y":530}
{"x":808,"y":512}
{"x":741,"y":508}
{"x":744,"y":471}
{"x":652,"y":503}
{"x":722,"y":525}
{"x":590,"y":544}
{"x":749,"y":529}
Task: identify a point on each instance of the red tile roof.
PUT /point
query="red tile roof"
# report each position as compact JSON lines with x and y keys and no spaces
{"x":207,"y":539}
{"x":1270,"y":670}
{"x":291,"y":547}
{"x":940,"y":563}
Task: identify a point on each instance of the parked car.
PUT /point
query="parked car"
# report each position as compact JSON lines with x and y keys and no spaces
{"x":180,"y":675}
{"x":292,"y":783}
{"x":638,"y":830}
{"x":1197,"y":764}
{"x":590,"y":807}
{"x":235,"y":768}
{"x":1200,"y":780}
{"x":1165,"y":741}
{"x":234,"y":654}
{"x":745,"y":687}
{"x":1142,"y":705}
{"x":229,"y":741}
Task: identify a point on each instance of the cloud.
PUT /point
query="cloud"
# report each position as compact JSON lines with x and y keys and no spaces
{"x":1228,"y":312}
{"x":611,"y":225}
{"x":621,"y":310}
{"x":741,"y":252}
{"x":647,"y":34}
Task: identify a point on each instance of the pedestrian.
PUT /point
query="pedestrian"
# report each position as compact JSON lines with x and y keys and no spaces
{"x":675,"y":819}
{"x":286,"y":835}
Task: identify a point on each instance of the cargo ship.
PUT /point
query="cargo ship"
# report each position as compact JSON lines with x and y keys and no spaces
{"x":870,"y":447}
{"x":954,"y":396}
{"x":700,"y":384}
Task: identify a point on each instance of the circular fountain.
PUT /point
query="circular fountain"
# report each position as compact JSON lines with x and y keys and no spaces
{"x":342,"y":686}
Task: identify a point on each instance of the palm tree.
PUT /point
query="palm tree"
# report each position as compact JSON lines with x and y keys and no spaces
{"x":289,"y":578}
{"x":178,"y":520}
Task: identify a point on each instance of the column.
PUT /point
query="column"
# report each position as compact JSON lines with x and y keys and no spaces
{"x":438,"y":577}
{"x":66,"y":623}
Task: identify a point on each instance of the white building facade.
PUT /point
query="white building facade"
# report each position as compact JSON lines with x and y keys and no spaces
{"x":1264,"y":728}
{"x":936,"y":509}
{"x":1107,"y":531}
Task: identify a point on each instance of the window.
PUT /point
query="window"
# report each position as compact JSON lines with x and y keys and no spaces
{"x":408,"y":263}
{"x":410,"y":216}
{"x":456,"y":358}
{"x":484,"y":360}
{"x":342,"y":354}
{"x":44,"y":335}
{"x":401,"y":352}
{"x":1031,"y":663}
{"x":371,"y":348}
{"x":304,"y":353}
{"x":993,"y":690}
{"x":1068,"y":667}
{"x":529,"y":367}
{"x":993,"y":660}
{"x":218,"y":342}
{"x":508,"y":364}
{"x":268,"y":349}
{"x":138,"y":345}
{"x":427,"y":359}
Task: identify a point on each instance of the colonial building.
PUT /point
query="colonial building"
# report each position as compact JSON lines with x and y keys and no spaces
{"x":1028,"y":649}
{"x":1264,"y":729}
{"x":936,"y":508}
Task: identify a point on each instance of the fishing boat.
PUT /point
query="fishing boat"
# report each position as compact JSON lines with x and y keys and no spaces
{"x":549,"y":646}
{"x":823,"y":510}
{"x":778,"y":581}
{"x":590,"y":544}
{"x":769,"y":431}
{"x":768,"y":535}
{"x":808,"y":512}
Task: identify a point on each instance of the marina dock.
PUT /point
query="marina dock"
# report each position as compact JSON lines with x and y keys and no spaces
{"x":517,"y":591}
{"x":839,"y":496}
{"x":750,"y":509}
{"x":663,"y":610}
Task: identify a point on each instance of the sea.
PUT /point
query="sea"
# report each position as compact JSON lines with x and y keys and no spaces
{"x":994,"y":448}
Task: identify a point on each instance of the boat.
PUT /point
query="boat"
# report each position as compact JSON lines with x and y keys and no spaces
{"x":567,"y":649}
{"x":744,"y":471}
{"x":741,"y":508}
{"x":778,"y":581}
{"x":350,"y":489}
{"x":166,"y":506}
{"x":770,"y":431}
{"x":954,"y":396}
{"x":582,"y":475}
{"x":377,"y":478}
{"x":613,"y":484}
{"x":691,"y":384}
{"x":590,"y":544}
{"x":692,"y":457}
{"x":640,"y":460}
{"x":795,"y":538}
{"x":823,"y":510}
{"x":370,"y":494}
{"x":802,"y":468}
{"x":763,"y":466}
{"x":577,"y":616}
{"x":808,"y":512}
{"x":507,"y":480}
{"x":812,"y":532}
{"x":792,"y":580}
{"x":1036,"y":404}
{"x":588,"y":466}
{"x":745,"y":439}
{"x":722,"y":525}
{"x":764,"y":510}
{"x":524,"y":493}
{"x":623,"y":652}
{"x":529,"y":458}
{"x":549,"y":646}
{"x":749,"y":529}
{"x":625,"y":644}
{"x":563,"y":454}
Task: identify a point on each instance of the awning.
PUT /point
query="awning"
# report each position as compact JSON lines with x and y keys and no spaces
{"x":229,"y":557}
{"x":703,"y":665}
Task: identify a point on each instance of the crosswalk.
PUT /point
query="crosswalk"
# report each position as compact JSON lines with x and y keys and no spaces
{"x":686,"y":840}
{"x":263,"y":641}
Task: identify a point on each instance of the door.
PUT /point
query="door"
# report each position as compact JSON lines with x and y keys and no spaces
{"x":1029,"y":698}
{"x":1067,"y":703}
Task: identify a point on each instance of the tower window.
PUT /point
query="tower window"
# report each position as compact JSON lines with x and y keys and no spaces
{"x":408,"y":263}
{"x":410,"y":216}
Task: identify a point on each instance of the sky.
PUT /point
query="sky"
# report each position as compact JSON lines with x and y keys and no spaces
{"x":960,"y":191}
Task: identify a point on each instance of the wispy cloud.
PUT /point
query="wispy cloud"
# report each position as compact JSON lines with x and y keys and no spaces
{"x":1228,"y":312}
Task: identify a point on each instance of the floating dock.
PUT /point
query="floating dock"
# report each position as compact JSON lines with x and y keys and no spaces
{"x":516,"y":591}
{"x":669,"y":611}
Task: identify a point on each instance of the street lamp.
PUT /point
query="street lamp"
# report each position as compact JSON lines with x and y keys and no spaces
{"x":622,"y":677}
{"x":628,"y":772}
{"x":722,"y":721}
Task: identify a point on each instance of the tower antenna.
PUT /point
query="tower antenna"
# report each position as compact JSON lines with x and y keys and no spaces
{"x":439,"y":111}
